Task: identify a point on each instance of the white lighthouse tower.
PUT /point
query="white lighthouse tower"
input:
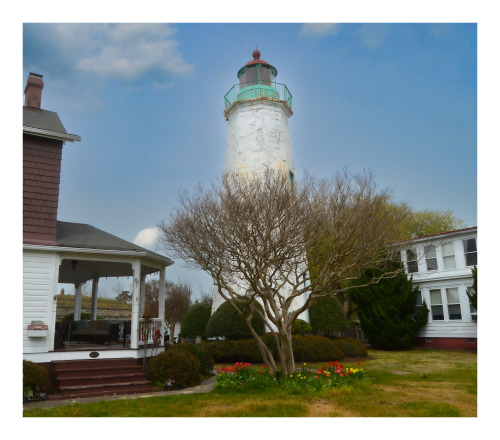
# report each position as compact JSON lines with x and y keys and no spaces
{"x":257,"y":111}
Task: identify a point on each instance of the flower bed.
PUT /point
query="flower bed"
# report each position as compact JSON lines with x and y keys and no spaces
{"x":332,"y":374}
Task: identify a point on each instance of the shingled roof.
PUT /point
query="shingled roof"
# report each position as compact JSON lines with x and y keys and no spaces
{"x":45,"y":123}
{"x":79,"y":235}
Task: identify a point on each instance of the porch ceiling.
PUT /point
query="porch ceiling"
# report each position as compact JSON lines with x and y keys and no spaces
{"x":88,"y":269}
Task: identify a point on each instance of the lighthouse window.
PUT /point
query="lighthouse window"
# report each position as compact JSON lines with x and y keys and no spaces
{"x":251,"y":75}
{"x":264,"y":76}
{"x":292,"y":181}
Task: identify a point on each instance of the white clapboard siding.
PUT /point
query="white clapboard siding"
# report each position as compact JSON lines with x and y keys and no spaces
{"x":39,"y":271}
{"x":449,"y":330}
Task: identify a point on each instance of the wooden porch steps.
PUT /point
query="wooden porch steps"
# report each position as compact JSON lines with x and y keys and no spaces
{"x":99,"y":377}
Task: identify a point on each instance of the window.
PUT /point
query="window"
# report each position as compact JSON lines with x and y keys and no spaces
{"x":437,"y":305}
{"x":292,"y":180}
{"x":430,"y":257}
{"x":470,"y":252}
{"x":411,"y":261}
{"x":453,"y":300}
{"x":418,"y":305}
{"x":473,"y":311}
{"x":449,"y":256}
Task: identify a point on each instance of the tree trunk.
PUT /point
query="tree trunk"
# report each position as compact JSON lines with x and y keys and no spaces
{"x":286,"y":353}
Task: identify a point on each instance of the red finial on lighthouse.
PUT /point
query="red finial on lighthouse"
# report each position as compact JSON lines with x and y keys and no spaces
{"x":256,"y":55}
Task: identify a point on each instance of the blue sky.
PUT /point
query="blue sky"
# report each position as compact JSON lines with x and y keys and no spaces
{"x":147,"y":100}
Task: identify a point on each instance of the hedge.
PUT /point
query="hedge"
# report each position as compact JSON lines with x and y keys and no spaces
{"x":306,"y":349}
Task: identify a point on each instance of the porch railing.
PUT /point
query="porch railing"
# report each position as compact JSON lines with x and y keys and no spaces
{"x":258,"y":89}
{"x":147,"y":330}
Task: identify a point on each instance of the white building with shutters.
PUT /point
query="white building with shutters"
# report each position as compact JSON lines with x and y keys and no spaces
{"x":441,"y":265}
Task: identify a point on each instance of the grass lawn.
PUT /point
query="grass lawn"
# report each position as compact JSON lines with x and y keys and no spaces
{"x":416,"y":383}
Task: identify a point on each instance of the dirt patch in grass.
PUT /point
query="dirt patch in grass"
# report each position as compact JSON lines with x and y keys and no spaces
{"x":327,"y":408}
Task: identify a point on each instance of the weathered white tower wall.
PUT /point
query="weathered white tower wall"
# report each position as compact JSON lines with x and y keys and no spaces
{"x":258,"y":137}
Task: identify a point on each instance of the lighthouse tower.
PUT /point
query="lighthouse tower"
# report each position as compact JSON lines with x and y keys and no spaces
{"x":257,"y":111}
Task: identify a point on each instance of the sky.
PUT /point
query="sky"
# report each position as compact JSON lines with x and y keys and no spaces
{"x":147,"y":101}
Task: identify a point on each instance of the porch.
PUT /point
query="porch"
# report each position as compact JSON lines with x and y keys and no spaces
{"x":86,"y":254}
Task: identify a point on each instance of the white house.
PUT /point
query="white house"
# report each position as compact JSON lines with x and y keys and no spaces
{"x":64,"y":252}
{"x":441,"y":265}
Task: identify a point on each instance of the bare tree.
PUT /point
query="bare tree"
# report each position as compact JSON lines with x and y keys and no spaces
{"x":121,"y":295}
{"x":177,"y":302}
{"x":260,"y":238}
{"x":206,"y":296}
{"x":152,"y":293}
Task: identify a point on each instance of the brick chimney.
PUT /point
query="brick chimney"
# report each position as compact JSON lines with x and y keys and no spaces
{"x":33,"y":91}
{"x":41,"y":175}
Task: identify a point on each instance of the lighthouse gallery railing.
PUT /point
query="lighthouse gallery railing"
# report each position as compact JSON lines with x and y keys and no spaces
{"x":258,"y":89}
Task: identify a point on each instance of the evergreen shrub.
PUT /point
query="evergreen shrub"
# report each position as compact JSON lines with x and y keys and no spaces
{"x":351,"y":347}
{"x":227,"y":323}
{"x":195,"y":321}
{"x":301,"y":327}
{"x":307,"y":348}
{"x":206,"y":361}
{"x":327,"y":315}
{"x":386,"y":310}
{"x":35,"y":378}
{"x":180,"y":368}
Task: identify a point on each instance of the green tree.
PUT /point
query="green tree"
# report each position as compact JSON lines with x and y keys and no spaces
{"x":426,"y":222}
{"x":124,"y":297}
{"x":195,"y":321}
{"x":473,"y":294}
{"x":327,"y":315}
{"x":227,"y":322}
{"x":386,"y":311}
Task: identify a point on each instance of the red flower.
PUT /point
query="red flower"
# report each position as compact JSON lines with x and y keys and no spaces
{"x":359,"y":363}
{"x":264,"y":366}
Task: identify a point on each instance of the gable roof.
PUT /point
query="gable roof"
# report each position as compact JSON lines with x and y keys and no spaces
{"x":79,"y":235}
{"x":45,"y":123}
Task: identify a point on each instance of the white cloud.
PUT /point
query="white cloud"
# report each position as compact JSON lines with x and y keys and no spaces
{"x":125,"y":51}
{"x":147,"y":238}
{"x":320,"y":29}
{"x":373,"y":34}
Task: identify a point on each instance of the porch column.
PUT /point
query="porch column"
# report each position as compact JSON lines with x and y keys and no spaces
{"x":161,"y":300}
{"x":136,"y":269}
{"x":142,"y":301}
{"x":93,"y":304}
{"x":78,"y":302}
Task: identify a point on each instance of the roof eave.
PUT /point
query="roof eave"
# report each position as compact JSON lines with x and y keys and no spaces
{"x":51,"y":134}
{"x":129,"y":253}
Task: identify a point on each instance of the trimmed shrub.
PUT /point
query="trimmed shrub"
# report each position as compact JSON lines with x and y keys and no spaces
{"x":206,"y":361}
{"x":195,"y":321}
{"x":315,"y":348}
{"x":179,"y":367}
{"x":307,"y":349}
{"x":327,"y":315}
{"x":35,"y":378}
{"x":226,"y":322}
{"x":301,"y":327}
{"x":351,"y":347}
